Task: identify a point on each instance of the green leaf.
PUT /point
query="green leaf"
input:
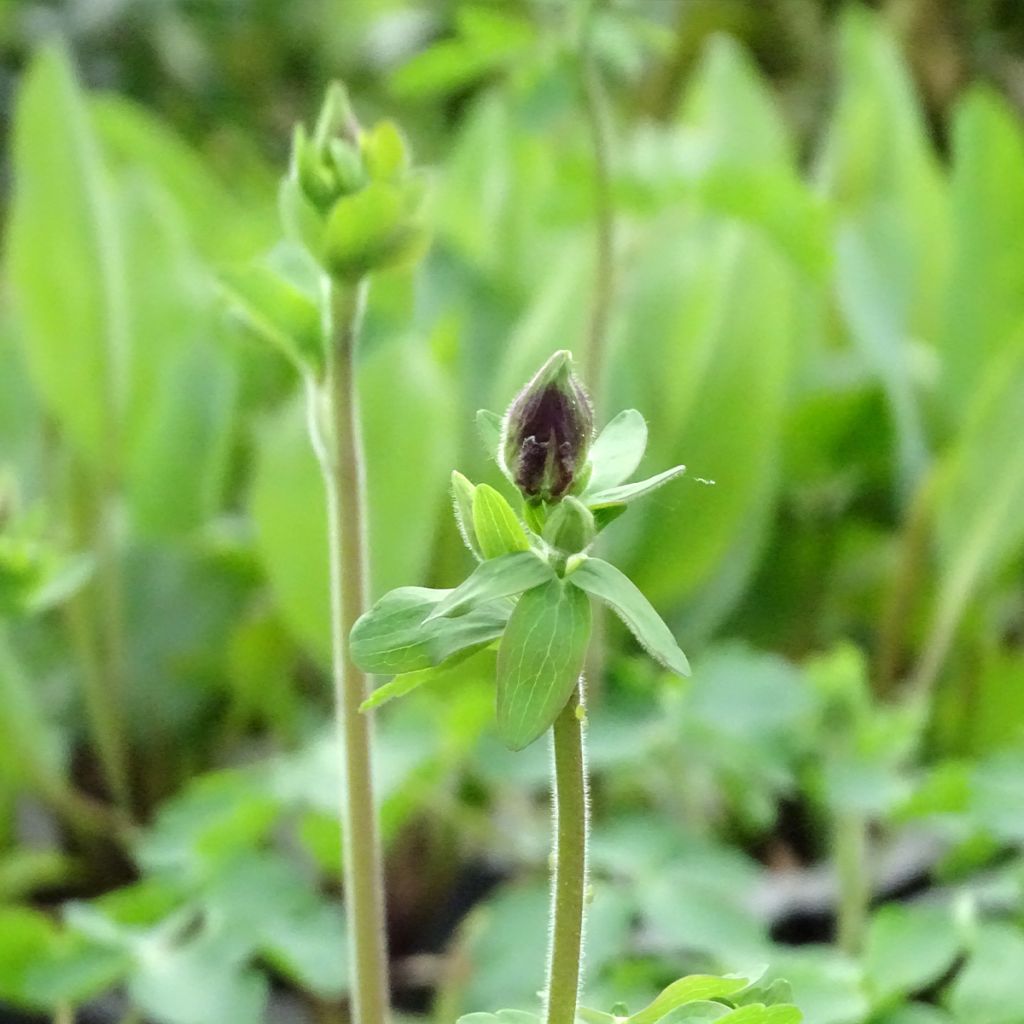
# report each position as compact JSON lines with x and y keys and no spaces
{"x":978,"y":498}
{"x":984,"y":304}
{"x":602,"y":580}
{"x":909,"y":947}
{"x":407,"y":406}
{"x":385,"y":152}
{"x":274,"y":307}
{"x":617,"y":451}
{"x":497,"y":529}
{"x":453,"y":668}
{"x":630,"y":492}
{"x":540,"y":659}
{"x":687,"y":990}
{"x":504,"y":576}
{"x":372,"y":229}
{"x":463,"y":493}
{"x":181,"y":451}
{"x":398,"y":634}
{"x":65,"y":259}
{"x":987,"y":990}
{"x":758,"y":1013}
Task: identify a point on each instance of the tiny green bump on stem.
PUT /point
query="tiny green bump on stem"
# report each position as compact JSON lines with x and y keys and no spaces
{"x":569,"y":887}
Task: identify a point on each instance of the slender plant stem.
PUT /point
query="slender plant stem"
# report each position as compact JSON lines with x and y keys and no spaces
{"x":341,"y":454}
{"x":570,"y":877}
{"x":595,"y":107}
{"x":851,"y":852}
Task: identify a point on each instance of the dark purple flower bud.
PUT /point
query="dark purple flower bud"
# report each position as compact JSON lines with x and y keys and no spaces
{"x":548,"y":430}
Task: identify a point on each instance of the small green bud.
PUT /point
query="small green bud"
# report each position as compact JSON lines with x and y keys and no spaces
{"x":548,"y":430}
{"x":350,"y":197}
{"x":570,"y":527}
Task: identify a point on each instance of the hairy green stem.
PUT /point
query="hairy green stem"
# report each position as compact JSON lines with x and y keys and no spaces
{"x":570,"y":874}
{"x":851,"y":852}
{"x":341,"y":455}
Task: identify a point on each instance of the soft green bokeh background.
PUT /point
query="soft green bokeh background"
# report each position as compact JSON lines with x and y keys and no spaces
{"x":818,"y":304}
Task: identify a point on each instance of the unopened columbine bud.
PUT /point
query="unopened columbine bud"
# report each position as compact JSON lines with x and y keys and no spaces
{"x":548,"y":430}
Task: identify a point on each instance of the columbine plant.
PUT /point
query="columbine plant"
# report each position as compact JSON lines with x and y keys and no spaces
{"x":530,"y":596}
{"x":353,"y":201}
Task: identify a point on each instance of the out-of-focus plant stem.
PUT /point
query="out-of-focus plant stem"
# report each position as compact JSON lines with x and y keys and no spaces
{"x":338,"y":443}
{"x":570,"y":878}
{"x":95,"y":617}
{"x":851,"y":852}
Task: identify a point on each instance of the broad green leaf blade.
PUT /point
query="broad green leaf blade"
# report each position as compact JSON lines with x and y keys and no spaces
{"x":276,"y":309}
{"x":505,"y":576}
{"x":687,"y":990}
{"x":180,"y":454}
{"x":908,"y":948}
{"x":398,"y":635}
{"x":978,"y":499}
{"x":287,"y":492}
{"x":602,"y":580}
{"x":498,"y":531}
{"x":65,"y":259}
{"x":984,"y":302}
{"x":617,"y":451}
{"x":630,"y":492}
{"x":540,"y":659}
{"x":488,"y":428}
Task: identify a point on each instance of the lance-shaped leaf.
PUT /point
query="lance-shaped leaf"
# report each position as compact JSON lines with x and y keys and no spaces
{"x":617,"y":451}
{"x":397,"y":636}
{"x":540,"y":659}
{"x":630,"y":492}
{"x":498,"y":531}
{"x":463,"y":493}
{"x":696,"y":987}
{"x":602,"y":580}
{"x":497,"y":577}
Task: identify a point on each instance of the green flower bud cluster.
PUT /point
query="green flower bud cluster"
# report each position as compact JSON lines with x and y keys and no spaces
{"x":351,"y":197}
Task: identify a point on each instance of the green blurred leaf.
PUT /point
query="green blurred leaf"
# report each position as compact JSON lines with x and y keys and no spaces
{"x":977,"y":501}
{"x":65,"y":260}
{"x":687,"y":990}
{"x":540,"y":659}
{"x":407,"y":408}
{"x":908,"y":948}
{"x":986,"y":990}
{"x":985,"y":299}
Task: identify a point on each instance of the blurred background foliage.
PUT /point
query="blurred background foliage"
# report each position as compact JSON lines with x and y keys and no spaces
{"x":818,"y":303}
